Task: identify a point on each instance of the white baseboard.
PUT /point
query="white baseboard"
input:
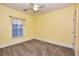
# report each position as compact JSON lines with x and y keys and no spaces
{"x":55,"y":42}
{"x":42,"y":39}
{"x":13,"y":42}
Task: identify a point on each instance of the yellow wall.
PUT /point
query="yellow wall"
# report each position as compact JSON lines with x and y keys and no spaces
{"x":56,"y":26}
{"x":5,"y":26}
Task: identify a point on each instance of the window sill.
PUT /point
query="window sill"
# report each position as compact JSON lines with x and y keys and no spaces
{"x":17,"y":37}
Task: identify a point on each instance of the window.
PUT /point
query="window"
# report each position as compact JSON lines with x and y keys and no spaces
{"x":17,"y":27}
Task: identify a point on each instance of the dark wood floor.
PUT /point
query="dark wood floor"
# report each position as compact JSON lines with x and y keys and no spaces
{"x":36,"y":48}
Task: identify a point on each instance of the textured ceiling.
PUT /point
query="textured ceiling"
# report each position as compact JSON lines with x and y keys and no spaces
{"x":48,"y":6}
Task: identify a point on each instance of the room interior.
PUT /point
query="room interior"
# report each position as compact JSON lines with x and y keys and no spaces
{"x":49,"y":24}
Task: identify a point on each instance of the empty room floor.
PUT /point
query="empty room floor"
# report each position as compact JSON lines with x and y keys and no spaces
{"x":36,"y":48}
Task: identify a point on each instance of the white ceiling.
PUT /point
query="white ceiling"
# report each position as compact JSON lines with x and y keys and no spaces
{"x":48,"y":6}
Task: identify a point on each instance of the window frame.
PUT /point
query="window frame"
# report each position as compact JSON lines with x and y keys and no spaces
{"x":18,"y":35}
